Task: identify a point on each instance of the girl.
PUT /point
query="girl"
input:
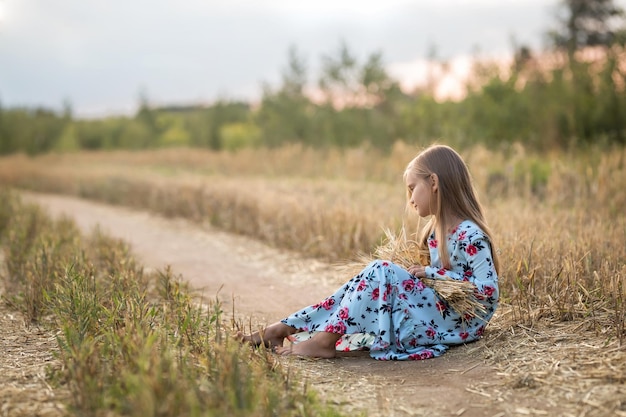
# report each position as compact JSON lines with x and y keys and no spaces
{"x":404,"y":318}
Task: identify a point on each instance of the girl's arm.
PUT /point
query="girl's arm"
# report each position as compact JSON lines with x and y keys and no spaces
{"x":474,"y":261}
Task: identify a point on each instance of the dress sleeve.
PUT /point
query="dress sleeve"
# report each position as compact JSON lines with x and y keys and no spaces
{"x":474,"y":260}
{"x":441,"y":273}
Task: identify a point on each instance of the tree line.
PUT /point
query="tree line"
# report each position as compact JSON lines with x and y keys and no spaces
{"x":570,"y":93}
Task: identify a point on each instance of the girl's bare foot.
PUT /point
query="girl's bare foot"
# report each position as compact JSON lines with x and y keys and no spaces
{"x":322,"y":345}
{"x":271,"y":336}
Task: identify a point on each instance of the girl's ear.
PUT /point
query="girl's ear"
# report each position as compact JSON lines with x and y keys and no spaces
{"x":434,"y":182}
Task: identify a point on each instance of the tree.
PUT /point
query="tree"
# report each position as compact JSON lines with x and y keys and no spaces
{"x":295,"y":77}
{"x":222,"y":113}
{"x":359,"y":99}
{"x":339,"y":80}
{"x":147,"y":116}
{"x":284,"y":113}
{"x":593,"y":93}
{"x":585,"y":23}
{"x":345,"y":82}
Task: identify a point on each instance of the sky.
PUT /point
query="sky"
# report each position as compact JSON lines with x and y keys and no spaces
{"x":101,"y":56}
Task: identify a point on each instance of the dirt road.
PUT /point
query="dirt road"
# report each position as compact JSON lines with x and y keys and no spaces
{"x":267,"y":284}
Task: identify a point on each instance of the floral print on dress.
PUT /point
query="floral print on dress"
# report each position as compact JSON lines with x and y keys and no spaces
{"x":393,"y":314}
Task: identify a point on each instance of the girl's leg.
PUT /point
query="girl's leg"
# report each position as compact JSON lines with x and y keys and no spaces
{"x":363,"y":305}
{"x":272,"y":336}
{"x":322,"y":345}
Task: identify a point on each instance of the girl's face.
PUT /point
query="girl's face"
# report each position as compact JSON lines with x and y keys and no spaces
{"x":422,"y":194}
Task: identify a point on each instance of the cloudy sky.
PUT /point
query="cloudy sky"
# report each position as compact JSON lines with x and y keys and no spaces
{"x":101,"y":54}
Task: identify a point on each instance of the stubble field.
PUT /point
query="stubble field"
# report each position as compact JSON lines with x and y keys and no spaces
{"x":558,"y":221}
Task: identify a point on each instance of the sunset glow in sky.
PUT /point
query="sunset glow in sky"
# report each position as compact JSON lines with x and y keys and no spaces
{"x":100,"y":55}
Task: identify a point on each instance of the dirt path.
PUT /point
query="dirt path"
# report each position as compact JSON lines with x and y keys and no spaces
{"x":267,"y":284}
{"x":263,"y":282}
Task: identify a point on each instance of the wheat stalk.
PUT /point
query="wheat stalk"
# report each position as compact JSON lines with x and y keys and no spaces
{"x":458,"y":295}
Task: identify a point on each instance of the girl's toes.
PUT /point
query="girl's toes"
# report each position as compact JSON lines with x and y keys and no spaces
{"x":281,"y":350}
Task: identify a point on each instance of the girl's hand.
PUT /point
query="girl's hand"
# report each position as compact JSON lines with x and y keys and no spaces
{"x":417,"y":271}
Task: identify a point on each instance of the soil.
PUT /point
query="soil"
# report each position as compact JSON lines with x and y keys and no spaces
{"x":260,"y":285}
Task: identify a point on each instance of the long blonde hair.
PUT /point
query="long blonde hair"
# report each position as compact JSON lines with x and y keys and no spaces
{"x":456,"y":197}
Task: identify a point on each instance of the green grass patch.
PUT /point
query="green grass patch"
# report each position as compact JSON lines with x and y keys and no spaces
{"x":130,"y":343}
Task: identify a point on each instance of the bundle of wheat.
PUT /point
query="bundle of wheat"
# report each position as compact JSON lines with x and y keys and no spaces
{"x":399,"y":249}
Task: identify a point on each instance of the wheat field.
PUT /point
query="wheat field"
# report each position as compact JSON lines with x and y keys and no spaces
{"x":558,"y":221}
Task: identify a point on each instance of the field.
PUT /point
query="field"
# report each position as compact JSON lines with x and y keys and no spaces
{"x":558,"y":221}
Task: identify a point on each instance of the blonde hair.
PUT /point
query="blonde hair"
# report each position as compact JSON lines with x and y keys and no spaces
{"x":456,"y":197}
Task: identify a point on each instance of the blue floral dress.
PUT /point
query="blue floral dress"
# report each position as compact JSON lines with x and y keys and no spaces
{"x":396,"y":316}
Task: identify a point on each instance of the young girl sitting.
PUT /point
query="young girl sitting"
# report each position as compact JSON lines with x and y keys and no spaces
{"x":405,"y":318}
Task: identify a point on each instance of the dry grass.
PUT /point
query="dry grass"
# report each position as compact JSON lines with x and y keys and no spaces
{"x":28,"y":355}
{"x":560,"y":329}
{"x":328,"y":218}
{"x":558,"y":222}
